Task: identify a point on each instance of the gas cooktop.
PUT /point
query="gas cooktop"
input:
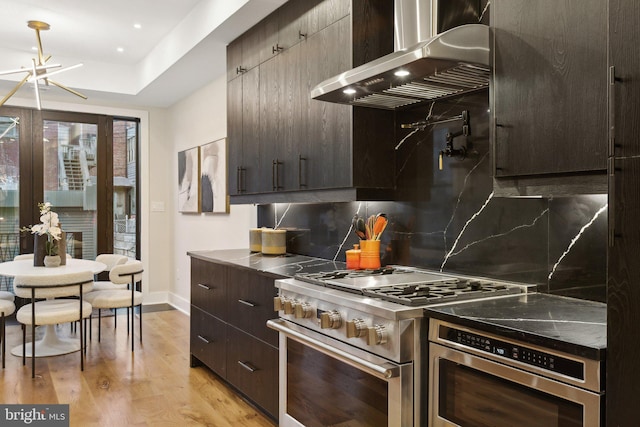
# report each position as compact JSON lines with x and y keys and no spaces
{"x":410,"y":286}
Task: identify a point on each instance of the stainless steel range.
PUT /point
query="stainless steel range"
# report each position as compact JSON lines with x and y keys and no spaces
{"x":351,"y":342}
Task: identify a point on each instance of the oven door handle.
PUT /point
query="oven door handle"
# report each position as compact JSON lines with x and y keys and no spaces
{"x":384,"y":372}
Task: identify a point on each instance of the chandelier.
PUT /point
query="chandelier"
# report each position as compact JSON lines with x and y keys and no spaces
{"x":39,"y":71}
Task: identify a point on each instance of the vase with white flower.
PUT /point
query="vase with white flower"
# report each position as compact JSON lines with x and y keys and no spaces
{"x":49,"y":239}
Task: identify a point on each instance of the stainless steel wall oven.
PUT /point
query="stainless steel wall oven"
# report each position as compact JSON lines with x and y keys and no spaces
{"x":480,"y":379}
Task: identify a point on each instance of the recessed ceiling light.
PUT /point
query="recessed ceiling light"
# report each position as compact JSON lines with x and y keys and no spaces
{"x":349,"y":91}
{"x":137,"y":26}
{"x":401,"y":73}
{"x":120,"y":49}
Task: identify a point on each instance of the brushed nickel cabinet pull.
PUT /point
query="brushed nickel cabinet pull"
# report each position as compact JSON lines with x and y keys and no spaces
{"x":300,"y":160}
{"x":203,"y":286}
{"x":247,"y":366}
{"x":247,"y":303}
{"x":203,"y":339}
{"x":611,"y":92}
{"x":612,"y":200}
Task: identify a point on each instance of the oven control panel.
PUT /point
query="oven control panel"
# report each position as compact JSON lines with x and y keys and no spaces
{"x":518,"y":352}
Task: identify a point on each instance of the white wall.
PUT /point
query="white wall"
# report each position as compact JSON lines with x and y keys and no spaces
{"x":197,"y":120}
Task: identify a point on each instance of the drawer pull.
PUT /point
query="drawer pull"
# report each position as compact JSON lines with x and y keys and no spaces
{"x":204,"y":286}
{"x":247,"y":366}
{"x":250,"y":304}
{"x":203,"y":339}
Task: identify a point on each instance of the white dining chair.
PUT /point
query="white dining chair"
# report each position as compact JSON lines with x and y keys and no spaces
{"x":130,"y":275}
{"x":55,"y":309}
{"x":110,"y":260}
{"x":6,"y":309}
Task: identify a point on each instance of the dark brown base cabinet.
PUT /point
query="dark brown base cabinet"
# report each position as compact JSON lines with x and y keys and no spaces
{"x":229,"y":310}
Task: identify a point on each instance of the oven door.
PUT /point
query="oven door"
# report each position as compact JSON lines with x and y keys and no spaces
{"x":324,"y":382}
{"x":466,"y":390}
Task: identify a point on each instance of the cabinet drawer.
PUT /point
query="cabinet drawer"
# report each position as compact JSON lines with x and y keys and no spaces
{"x":209,"y":340}
{"x":208,"y":283}
{"x":250,"y":304}
{"x":252,"y":367}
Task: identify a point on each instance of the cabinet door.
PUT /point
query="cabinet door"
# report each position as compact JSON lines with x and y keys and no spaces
{"x":292,"y":147}
{"x":209,"y":340}
{"x":252,"y":367}
{"x":250,"y":303}
{"x":269,"y":137}
{"x":234,"y":135}
{"x":293,"y":24}
{"x":208,"y":287}
{"x":328,"y":125}
{"x":550,"y":76}
{"x":624,"y":33}
{"x":250,"y":178}
{"x":623,"y":295}
{"x":234,"y":59}
{"x":328,"y":12}
{"x":251,"y":43}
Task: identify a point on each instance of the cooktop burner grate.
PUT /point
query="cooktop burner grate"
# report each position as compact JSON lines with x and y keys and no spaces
{"x":436,"y":292}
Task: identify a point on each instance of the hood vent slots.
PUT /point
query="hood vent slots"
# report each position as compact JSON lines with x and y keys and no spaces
{"x":454,"y":81}
{"x":451,"y":63}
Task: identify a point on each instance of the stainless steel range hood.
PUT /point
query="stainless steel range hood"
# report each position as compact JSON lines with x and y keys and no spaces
{"x":450,"y":63}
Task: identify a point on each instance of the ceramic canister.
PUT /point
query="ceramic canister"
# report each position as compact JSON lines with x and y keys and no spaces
{"x":274,"y":242}
{"x":255,"y":239}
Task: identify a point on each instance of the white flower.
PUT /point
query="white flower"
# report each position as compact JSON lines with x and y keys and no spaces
{"x":49,"y":225}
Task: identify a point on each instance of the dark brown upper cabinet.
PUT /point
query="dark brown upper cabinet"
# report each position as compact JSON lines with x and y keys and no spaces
{"x":549,"y":96}
{"x":285,"y":147}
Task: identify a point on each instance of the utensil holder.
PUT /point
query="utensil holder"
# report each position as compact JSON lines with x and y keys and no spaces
{"x":369,"y":254}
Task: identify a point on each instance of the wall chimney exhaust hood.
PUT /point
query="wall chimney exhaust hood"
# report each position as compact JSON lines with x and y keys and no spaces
{"x":451,"y":63}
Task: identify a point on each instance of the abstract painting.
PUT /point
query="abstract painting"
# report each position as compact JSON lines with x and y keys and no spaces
{"x":213,"y":176}
{"x":188,"y":174}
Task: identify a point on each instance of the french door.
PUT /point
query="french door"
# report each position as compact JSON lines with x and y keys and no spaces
{"x":86,"y":165}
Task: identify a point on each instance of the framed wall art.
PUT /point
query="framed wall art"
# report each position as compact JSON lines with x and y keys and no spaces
{"x":188,"y":180}
{"x":213,"y":177}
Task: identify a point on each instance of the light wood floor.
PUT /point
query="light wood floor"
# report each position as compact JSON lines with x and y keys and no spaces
{"x":154,"y":386}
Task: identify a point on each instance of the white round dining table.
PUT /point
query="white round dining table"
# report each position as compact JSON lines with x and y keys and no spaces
{"x":51,"y":344}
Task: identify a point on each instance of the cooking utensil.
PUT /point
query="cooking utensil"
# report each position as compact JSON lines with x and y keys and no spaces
{"x":358,"y":227}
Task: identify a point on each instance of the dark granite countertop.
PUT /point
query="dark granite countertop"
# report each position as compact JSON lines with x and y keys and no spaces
{"x":278,"y":265}
{"x":571,"y":325}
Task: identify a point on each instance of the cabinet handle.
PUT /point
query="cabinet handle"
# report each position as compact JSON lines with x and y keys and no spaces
{"x":247,"y":366}
{"x":240,"y":69}
{"x":248,"y":303}
{"x":301,"y":35}
{"x":240,"y":181}
{"x":611,"y":92}
{"x":275,"y":175}
{"x":277,"y":48}
{"x":203,"y":286}
{"x":612,"y":200}
{"x":300,"y":160}
{"x":203,"y":339}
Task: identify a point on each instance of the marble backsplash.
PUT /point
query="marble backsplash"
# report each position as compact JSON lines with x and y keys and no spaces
{"x":449,"y":220}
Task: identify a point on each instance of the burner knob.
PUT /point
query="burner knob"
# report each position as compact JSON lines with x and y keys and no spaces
{"x":330,"y":320}
{"x":302,"y":310}
{"x":278,"y":303}
{"x":376,"y":335}
{"x":288,"y":307}
{"x":356,"y":328}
